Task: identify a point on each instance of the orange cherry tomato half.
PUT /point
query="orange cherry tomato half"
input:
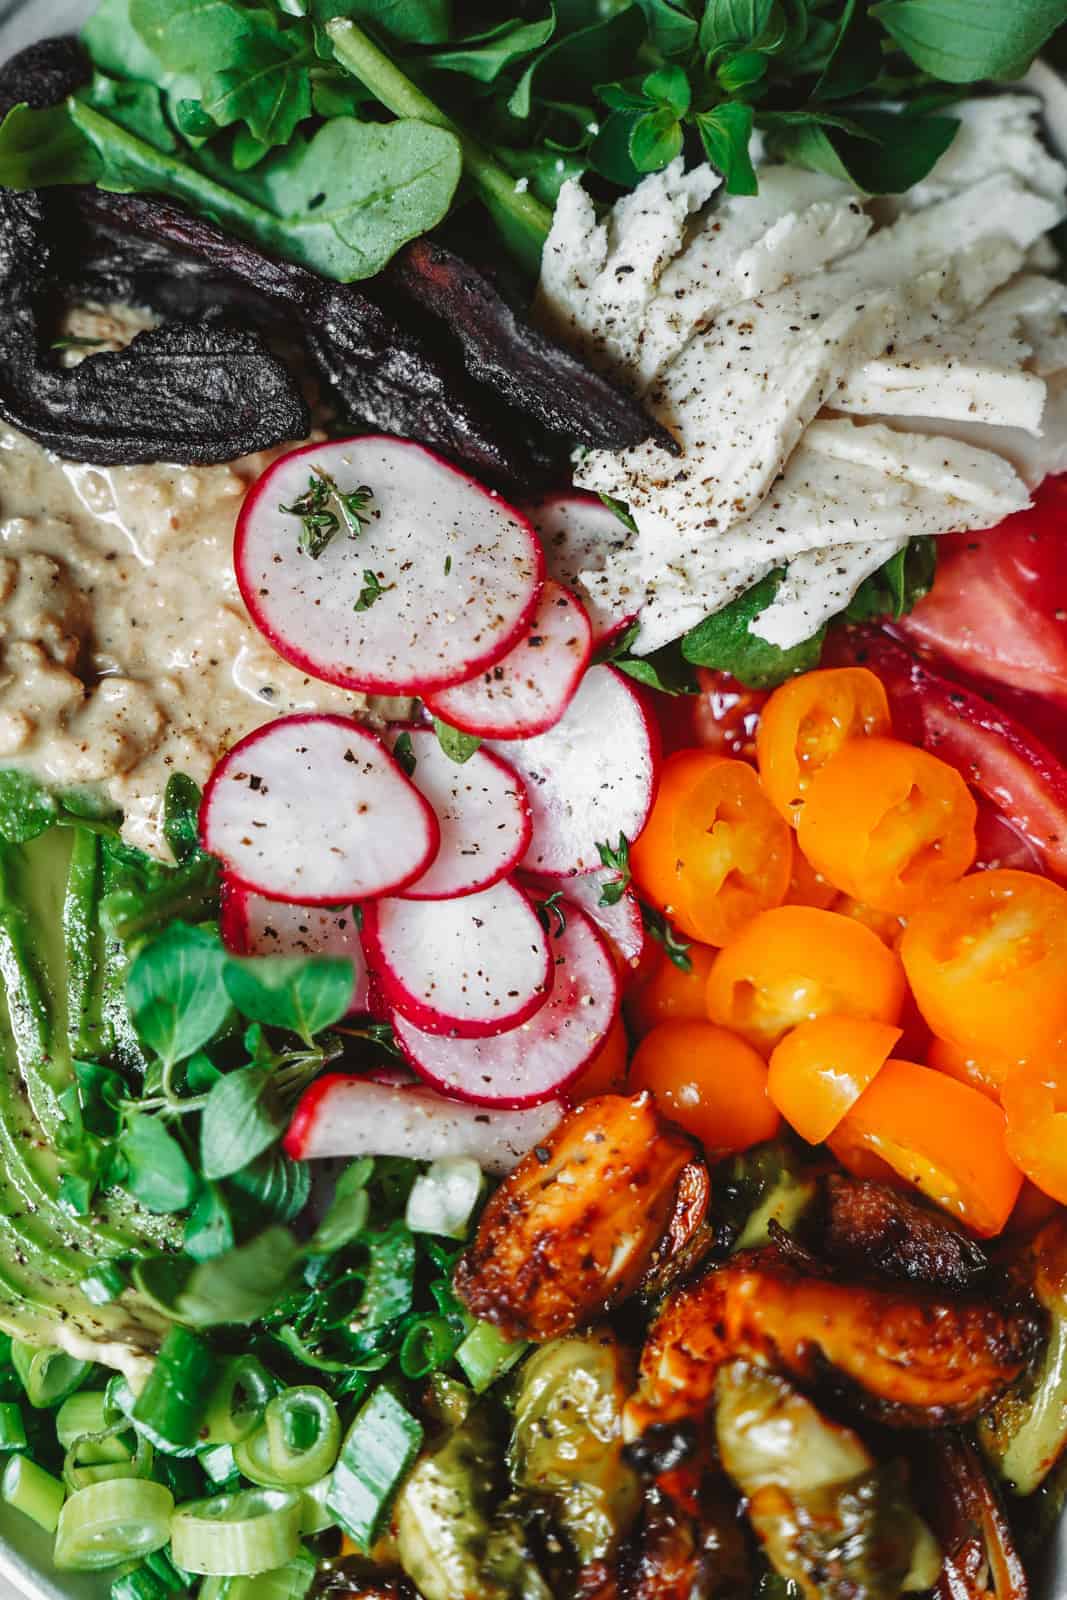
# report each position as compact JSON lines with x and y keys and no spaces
{"x":1035,"y":1104}
{"x":987,"y":963}
{"x":820,"y":1069}
{"x":714,"y":852}
{"x":709,"y":1081}
{"x":669,"y":994}
{"x":806,"y":721}
{"x":940,"y":1136}
{"x":888,"y":823}
{"x":795,"y":963}
{"x":887,"y":926}
{"x":808,"y":887}
{"x":987,"y":1075}
{"x":606,"y":1073}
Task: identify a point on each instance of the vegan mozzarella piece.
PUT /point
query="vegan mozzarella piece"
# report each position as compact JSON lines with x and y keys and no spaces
{"x":252,"y":925}
{"x":758,"y":312}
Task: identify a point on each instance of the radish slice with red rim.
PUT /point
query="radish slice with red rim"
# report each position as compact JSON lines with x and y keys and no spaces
{"x":252,"y":925}
{"x":528,"y":690}
{"x":590,"y":778}
{"x":314,"y":809}
{"x":620,"y":923}
{"x":482,"y":810}
{"x":340,"y":1115}
{"x":578,"y":532}
{"x":535,"y":1061}
{"x":439,"y":581}
{"x":471,"y":967}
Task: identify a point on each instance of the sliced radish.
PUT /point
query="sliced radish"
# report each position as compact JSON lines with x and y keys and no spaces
{"x":528,"y":690}
{"x":446,"y":574}
{"x":314,"y":809}
{"x":536,"y":1060}
{"x":578,"y":533}
{"x":347,"y":1116}
{"x":471,"y":967}
{"x":621,"y":923}
{"x":589,"y":778}
{"x":252,"y":925}
{"x":482,"y":810}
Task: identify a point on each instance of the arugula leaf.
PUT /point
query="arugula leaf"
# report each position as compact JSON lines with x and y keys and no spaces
{"x":413,"y":21}
{"x":349,"y":1210}
{"x":239,"y":1286}
{"x":723,"y":642}
{"x":176,"y":992}
{"x":962,"y":41}
{"x":264,"y":84}
{"x":404,"y":754}
{"x":117,"y":48}
{"x":26,"y":807}
{"x":725,"y":134}
{"x":895,"y":588}
{"x":209,"y":1230}
{"x":41,"y":148}
{"x":243,"y":1117}
{"x":606,"y":48}
{"x":158,"y":1174}
{"x":457,"y":746}
{"x":137,"y":107}
{"x":304,"y":994}
{"x":483,"y":56}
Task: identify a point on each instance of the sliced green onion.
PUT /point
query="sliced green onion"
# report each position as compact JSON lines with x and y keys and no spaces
{"x":33,"y":1491}
{"x":48,"y":1375}
{"x":170,"y":1408}
{"x":140,"y":1584}
{"x":119,"y":1398}
{"x":485,"y":1355}
{"x":378,"y":1450}
{"x":427,"y":1345}
{"x":237,"y":1535}
{"x":291,"y":1582}
{"x":12,"y":1427}
{"x":86,"y":1461}
{"x":88,"y":1413}
{"x":315,"y":1514}
{"x":443,"y":1198}
{"x":105,"y":1523}
{"x":298,"y":1442}
{"x":239,"y":1400}
{"x":219,"y":1465}
{"x":103,"y":1285}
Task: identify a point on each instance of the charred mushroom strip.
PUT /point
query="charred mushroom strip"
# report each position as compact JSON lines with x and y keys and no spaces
{"x":871,"y":1228}
{"x":981,"y":1560}
{"x":678,"y":1556}
{"x":573,"y":1229}
{"x":910,"y":1358}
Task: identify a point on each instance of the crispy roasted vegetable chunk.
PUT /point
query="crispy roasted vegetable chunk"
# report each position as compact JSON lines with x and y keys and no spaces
{"x":572,"y":1230}
{"x":908,"y":1357}
{"x":683,"y":1556}
{"x":981,"y":1558}
{"x":567,"y":1446}
{"x":830,"y":1518}
{"x":441,"y":1517}
{"x":872,"y":1228}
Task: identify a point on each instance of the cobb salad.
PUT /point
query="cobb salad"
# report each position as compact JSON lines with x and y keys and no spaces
{"x":533,"y":800}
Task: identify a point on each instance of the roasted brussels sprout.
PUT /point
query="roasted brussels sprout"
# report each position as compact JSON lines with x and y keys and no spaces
{"x":442,"y":1513}
{"x":829,"y":1516}
{"x":769,"y":1183}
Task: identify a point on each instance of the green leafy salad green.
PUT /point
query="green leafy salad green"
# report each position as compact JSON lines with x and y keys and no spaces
{"x":150,"y":1217}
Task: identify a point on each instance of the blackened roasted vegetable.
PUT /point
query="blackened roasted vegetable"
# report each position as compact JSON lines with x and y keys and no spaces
{"x":43,"y":74}
{"x":874,"y":1229}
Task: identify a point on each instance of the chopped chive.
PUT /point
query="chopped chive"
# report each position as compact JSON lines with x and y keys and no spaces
{"x":171,"y":1407}
{"x":380,"y":1447}
{"x":12,"y":1427}
{"x":485,"y":1355}
{"x":33,"y":1491}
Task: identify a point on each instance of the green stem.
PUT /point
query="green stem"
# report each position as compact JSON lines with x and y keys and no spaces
{"x":79,"y":934}
{"x":359,"y":55}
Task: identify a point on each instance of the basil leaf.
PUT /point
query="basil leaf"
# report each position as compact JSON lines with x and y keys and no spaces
{"x":609,"y":152}
{"x":733,"y":22}
{"x":181,"y":814}
{"x":239,"y":1286}
{"x":243,"y":1117}
{"x":175,"y":992}
{"x":605,"y":49}
{"x":724,"y":643}
{"x":457,"y":746}
{"x":655,"y":140}
{"x":304,"y":994}
{"x":26,"y":809}
{"x":668,"y":86}
{"x":272,"y":1188}
{"x":725,"y":134}
{"x":100,"y":1090}
{"x":209,"y":1230}
{"x":663,"y":670}
{"x":962,"y":41}
{"x":483,"y":56}
{"x":158,"y":1175}
{"x":896,"y":587}
{"x":854,"y":60}
{"x":671,"y":30}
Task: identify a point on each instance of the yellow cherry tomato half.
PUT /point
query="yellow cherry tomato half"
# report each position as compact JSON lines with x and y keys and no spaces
{"x":669,"y":993}
{"x":606,"y":1073}
{"x":1035,"y":1103}
{"x":888,"y":823}
{"x":987,"y":963}
{"x":819,"y":1070}
{"x":795,"y":963}
{"x":806,"y":721}
{"x":714,"y":852}
{"x":709,"y":1081}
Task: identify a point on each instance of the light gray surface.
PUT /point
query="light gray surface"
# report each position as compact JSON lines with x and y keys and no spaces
{"x":24,"y":1552}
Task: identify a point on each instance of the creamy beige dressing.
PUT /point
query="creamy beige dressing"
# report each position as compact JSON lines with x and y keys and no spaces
{"x":126,"y":653}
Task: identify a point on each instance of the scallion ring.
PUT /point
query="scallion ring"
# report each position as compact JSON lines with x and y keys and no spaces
{"x":47,"y":1375}
{"x":315,"y":1514}
{"x":298,"y":1442}
{"x":87,"y":1415}
{"x":443,"y":1198}
{"x":33,"y":1491}
{"x":236,"y":1408}
{"x":291,"y":1582}
{"x":105,"y":1523}
{"x":87,"y":1461}
{"x":237,"y":1535}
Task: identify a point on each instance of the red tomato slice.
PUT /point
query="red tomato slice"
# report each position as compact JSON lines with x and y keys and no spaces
{"x":999,"y":606}
{"x":996,"y":754}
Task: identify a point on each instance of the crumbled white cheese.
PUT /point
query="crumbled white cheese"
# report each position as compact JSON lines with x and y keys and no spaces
{"x":998,"y":134}
{"x":818,"y":586}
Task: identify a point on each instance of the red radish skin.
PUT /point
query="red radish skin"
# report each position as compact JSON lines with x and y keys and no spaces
{"x":482,"y":811}
{"x":342,"y":1115}
{"x":470,"y":967}
{"x":578,"y":532}
{"x":252,"y":925}
{"x":460,"y":570}
{"x":528,"y":690}
{"x":537,"y":1060}
{"x":621,"y":923}
{"x":314,"y":810}
{"x":590,"y":778}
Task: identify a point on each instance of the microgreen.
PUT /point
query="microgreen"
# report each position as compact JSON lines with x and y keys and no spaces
{"x":372,"y":590}
{"x":553,"y":916}
{"x":323,"y":509}
{"x":617,"y":858}
{"x":404,"y":754}
{"x":457,"y":746}
{"x":658,"y":927}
